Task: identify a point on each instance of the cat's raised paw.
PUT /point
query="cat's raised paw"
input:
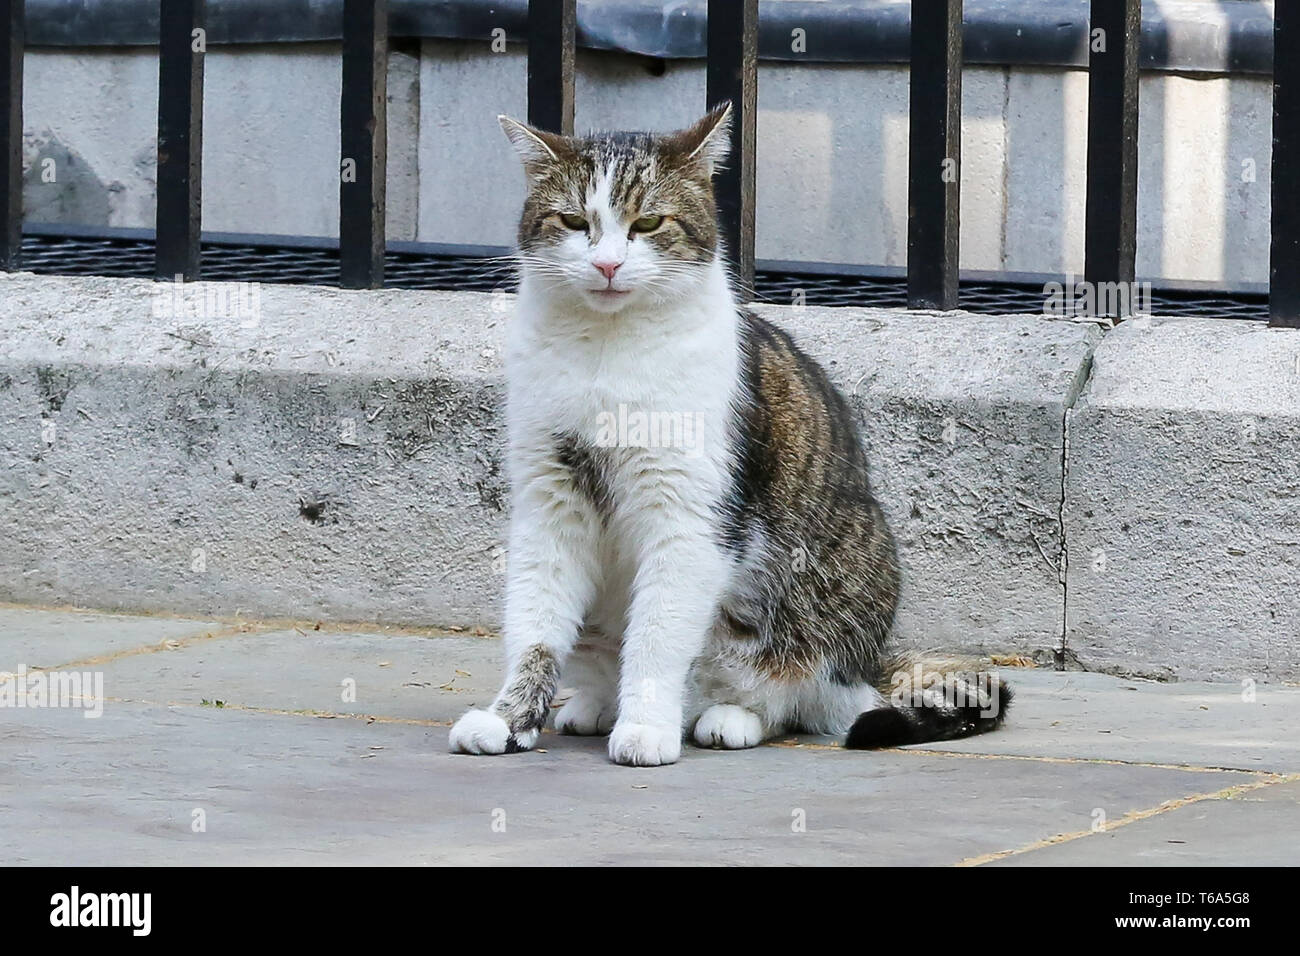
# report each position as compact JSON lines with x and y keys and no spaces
{"x":585,"y":715}
{"x":644,"y":745}
{"x":729,"y":727}
{"x":482,"y":732}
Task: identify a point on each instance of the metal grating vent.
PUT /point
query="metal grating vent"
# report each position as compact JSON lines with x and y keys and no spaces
{"x":251,"y":262}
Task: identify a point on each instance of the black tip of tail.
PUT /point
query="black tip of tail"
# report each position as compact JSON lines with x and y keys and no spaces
{"x":883,"y":727}
{"x":896,"y":726}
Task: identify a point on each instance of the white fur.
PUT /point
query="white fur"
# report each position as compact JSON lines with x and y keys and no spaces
{"x":586,"y":714}
{"x":730,"y":727}
{"x":479,"y":732}
{"x":645,"y":745}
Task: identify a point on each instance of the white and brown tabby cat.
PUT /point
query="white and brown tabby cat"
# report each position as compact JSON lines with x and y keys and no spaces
{"x":693,"y":542}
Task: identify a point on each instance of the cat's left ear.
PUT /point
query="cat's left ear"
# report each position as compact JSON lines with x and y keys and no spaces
{"x":708,"y":142}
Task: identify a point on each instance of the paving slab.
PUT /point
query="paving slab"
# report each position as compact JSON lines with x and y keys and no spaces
{"x":36,"y":638}
{"x":124,"y":789}
{"x":1088,"y":716}
{"x":1071,"y":715}
{"x":1254,"y":828}
{"x":391,"y":675}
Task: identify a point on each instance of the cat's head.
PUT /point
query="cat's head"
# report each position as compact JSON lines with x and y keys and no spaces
{"x":614,"y":220}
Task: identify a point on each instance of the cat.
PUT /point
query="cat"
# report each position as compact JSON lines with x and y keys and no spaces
{"x":693,"y":541}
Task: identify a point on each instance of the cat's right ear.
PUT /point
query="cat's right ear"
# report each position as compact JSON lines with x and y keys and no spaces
{"x":537,"y":148}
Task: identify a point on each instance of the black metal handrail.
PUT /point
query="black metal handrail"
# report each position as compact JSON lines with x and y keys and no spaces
{"x":732,"y":44}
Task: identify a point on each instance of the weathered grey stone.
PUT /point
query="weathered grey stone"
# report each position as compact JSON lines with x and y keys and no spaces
{"x":1183,"y":502}
{"x":341,"y":457}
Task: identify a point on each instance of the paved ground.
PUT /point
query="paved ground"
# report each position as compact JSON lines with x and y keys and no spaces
{"x":234,"y":743}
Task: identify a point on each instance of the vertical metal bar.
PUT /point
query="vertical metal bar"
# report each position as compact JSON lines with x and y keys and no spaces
{"x":11,"y":134}
{"x":363,"y":134}
{"x":1284,"y":252}
{"x":552,"y":35}
{"x":733,"y":76}
{"x":934,"y":163}
{"x":181,"y":45}
{"x":1110,"y":238}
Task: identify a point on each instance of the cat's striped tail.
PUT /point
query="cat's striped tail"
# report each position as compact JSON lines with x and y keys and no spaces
{"x":930,"y":699}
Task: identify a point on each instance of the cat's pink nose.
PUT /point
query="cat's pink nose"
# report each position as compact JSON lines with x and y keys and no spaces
{"x":607,"y":268}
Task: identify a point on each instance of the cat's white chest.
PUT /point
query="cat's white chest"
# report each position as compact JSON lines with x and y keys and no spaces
{"x":670,"y":380}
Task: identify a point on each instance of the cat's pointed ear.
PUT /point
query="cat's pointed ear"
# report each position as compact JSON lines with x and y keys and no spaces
{"x":537,"y":148}
{"x":708,"y":142}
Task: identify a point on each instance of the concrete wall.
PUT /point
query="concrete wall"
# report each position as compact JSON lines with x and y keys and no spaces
{"x":1183,"y":501}
{"x":340,"y":457}
{"x":838,"y":133}
{"x":270,"y":139}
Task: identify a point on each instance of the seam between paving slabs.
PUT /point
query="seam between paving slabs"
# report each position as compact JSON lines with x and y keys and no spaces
{"x":167,"y":644}
{"x":1136,"y":816}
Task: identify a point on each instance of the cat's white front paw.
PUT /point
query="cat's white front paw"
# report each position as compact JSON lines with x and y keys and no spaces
{"x":729,"y":727}
{"x":645,"y":745}
{"x":483,"y":732}
{"x":586,"y":714}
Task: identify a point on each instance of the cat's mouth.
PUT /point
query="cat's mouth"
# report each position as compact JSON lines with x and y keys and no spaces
{"x":609,"y":293}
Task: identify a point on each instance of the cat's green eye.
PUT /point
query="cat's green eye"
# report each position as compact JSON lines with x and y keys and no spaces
{"x":573,"y":222}
{"x":647,"y":223}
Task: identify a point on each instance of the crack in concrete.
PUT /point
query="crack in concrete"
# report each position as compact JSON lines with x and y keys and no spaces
{"x":1063,"y":559}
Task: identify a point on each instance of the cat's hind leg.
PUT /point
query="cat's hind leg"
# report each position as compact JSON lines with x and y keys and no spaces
{"x":729,"y":727}
{"x":737,"y":706}
{"x":592,"y":673}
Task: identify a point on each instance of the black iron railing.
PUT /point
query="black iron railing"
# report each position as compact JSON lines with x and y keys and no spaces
{"x":363,"y":128}
{"x":1110,"y":217}
{"x":552,"y":51}
{"x":934,"y":155}
{"x":11,"y":133}
{"x":182,"y":44}
{"x":732,"y":71}
{"x":1284,"y":251}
